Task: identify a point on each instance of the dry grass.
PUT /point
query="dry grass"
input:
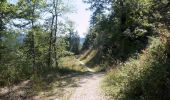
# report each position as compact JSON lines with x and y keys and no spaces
{"x":55,"y":84}
{"x":88,"y":55}
{"x":72,"y":64}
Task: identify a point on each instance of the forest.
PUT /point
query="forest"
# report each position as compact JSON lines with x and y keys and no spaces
{"x":125,"y":55}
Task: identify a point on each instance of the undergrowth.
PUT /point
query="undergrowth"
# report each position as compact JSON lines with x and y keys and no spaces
{"x":45,"y":80}
{"x":144,"y":78}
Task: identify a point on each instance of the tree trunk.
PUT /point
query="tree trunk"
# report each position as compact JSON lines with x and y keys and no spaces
{"x":32,"y":41}
{"x":50,"y":43}
{"x":122,"y":16}
{"x":55,"y":34}
{"x":1,"y":35}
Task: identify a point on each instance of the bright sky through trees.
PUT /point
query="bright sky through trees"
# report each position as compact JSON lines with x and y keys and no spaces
{"x":80,"y":17}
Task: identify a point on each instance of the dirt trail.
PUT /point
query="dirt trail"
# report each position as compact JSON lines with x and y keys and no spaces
{"x":89,"y":86}
{"x":85,"y":86}
{"x":88,"y":69}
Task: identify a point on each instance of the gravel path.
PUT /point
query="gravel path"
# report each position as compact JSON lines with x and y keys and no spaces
{"x":88,"y":87}
{"x":84,"y":87}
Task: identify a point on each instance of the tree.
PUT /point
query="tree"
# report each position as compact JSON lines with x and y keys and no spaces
{"x":74,"y":42}
{"x":89,"y":40}
{"x":98,"y":7}
{"x":56,"y":8}
{"x":29,"y":11}
{"x":6,"y":13}
{"x":124,"y":29}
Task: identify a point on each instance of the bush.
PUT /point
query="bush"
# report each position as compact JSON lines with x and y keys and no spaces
{"x":146,"y":78}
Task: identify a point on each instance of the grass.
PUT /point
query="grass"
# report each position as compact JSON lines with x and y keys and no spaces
{"x":62,"y":77}
{"x":71,"y":64}
{"x":92,"y":59}
{"x":88,"y":55}
{"x":52,"y":83}
{"x":145,"y":78}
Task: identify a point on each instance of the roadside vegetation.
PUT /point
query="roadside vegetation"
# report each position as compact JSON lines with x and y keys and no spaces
{"x":71,"y":63}
{"x":41,"y":55}
{"x":132,"y":43}
{"x":33,"y":47}
{"x":143,"y":78}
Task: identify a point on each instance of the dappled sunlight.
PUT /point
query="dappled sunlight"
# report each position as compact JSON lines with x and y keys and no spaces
{"x":88,"y":55}
{"x":85,"y":54}
{"x":62,"y":49}
{"x":19,"y":91}
{"x":71,"y":63}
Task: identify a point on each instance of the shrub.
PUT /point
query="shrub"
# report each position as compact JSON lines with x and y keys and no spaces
{"x":146,"y":78}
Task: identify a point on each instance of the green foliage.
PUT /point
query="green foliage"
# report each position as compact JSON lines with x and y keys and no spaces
{"x":89,"y":40}
{"x":62,"y":47}
{"x":14,"y":67}
{"x":123,"y":35}
{"x":70,"y":64}
{"x":119,"y":31}
{"x":143,"y":79}
{"x":27,"y":59}
{"x":74,"y":42}
{"x":123,"y":31}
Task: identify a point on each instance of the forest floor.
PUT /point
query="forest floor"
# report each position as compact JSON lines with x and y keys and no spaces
{"x":75,"y":86}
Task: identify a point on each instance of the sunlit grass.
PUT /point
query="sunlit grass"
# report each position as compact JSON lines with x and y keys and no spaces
{"x":71,"y":63}
{"x":88,"y":55}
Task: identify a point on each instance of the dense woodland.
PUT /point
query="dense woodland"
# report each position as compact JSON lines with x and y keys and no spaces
{"x":130,"y":38}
